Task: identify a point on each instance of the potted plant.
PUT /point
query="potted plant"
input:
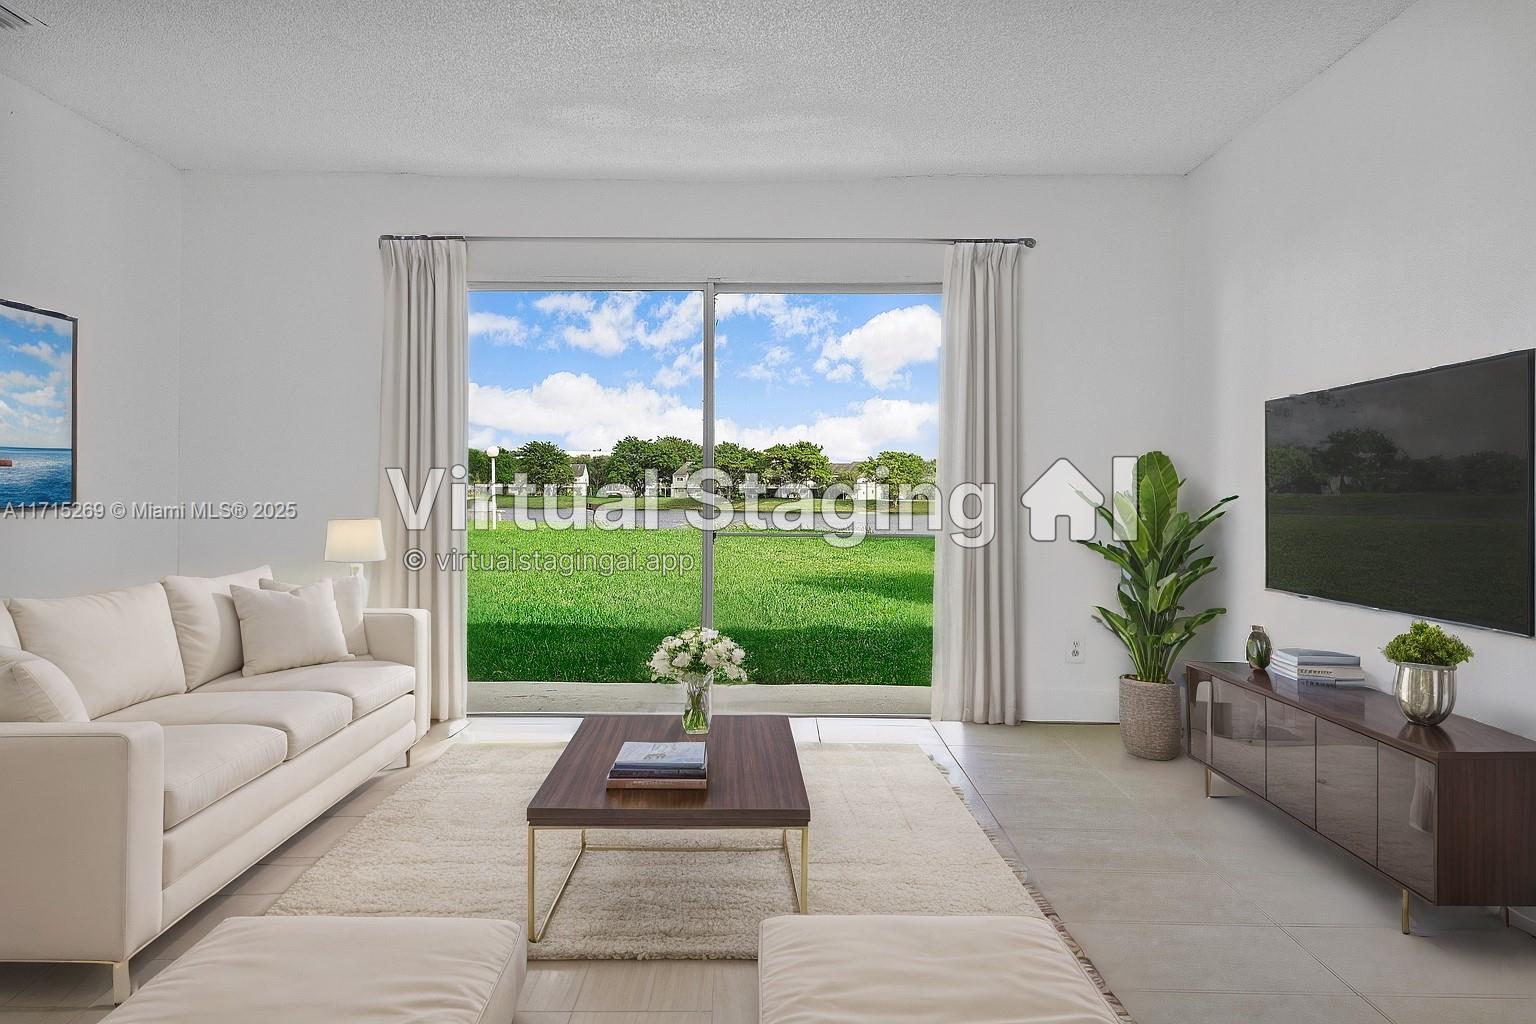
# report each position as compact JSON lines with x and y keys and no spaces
{"x":1153,"y":545}
{"x":1426,"y":657}
{"x":696,"y":658}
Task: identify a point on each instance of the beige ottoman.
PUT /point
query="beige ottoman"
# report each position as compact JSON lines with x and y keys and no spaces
{"x":339,"y":970}
{"x":922,"y":970}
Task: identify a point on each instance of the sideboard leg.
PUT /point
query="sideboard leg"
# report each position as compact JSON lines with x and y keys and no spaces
{"x":1207,"y":783}
{"x":1506,"y":917}
{"x":1407,"y":914}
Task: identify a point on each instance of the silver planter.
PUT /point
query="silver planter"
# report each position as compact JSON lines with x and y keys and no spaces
{"x":1426,"y":693}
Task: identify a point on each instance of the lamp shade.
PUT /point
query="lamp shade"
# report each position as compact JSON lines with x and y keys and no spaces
{"x":354,"y":540}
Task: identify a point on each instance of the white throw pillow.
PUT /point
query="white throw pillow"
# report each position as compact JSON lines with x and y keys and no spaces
{"x":118,"y":648}
{"x":207,"y":628}
{"x":351,"y":598}
{"x":33,"y":689}
{"x":289,"y":629}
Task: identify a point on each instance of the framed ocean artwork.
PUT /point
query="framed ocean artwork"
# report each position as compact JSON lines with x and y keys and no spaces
{"x":37,"y":406}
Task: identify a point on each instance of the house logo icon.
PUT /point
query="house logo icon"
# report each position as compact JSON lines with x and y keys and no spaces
{"x":1064,"y":491}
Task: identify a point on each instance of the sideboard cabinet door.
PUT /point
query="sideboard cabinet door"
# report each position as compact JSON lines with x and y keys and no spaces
{"x":1237,"y":735}
{"x":1346,"y":789}
{"x":1405,"y":846}
{"x":1290,"y":766}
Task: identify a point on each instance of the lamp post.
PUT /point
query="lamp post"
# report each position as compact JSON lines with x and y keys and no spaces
{"x":493,"y":451}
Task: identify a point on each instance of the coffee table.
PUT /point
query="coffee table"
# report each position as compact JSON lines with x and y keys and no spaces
{"x":754,"y":783}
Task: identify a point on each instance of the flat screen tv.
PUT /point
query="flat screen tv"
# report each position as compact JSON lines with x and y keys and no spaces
{"x":1410,"y":493}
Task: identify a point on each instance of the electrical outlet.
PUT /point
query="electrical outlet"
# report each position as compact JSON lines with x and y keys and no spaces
{"x":1074,"y":652}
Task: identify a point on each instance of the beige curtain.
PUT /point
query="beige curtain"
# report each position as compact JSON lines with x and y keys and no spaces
{"x":422,"y":427}
{"x":978,"y":591}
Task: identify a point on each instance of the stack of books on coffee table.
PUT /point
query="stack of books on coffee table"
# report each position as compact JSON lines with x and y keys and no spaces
{"x":660,"y":766}
{"x":1321,"y":668}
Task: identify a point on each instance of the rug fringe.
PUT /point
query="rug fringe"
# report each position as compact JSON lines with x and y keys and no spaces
{"x":1021,"y":872}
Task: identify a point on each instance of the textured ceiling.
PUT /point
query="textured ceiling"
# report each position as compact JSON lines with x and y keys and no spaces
{"x":682,"y":88}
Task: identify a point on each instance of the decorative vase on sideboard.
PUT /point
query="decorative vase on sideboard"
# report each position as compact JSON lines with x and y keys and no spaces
{"x":1260,"y":650}
{"x":1149,"y":719}
{"x":1426,"y":693}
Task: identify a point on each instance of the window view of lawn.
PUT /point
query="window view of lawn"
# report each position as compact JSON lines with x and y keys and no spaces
{"x":816,"y":396}
{"x":805,"y":611}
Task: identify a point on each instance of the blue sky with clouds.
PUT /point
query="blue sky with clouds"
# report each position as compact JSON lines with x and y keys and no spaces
{"x":854,"y":373}
{"x":34,"y":380}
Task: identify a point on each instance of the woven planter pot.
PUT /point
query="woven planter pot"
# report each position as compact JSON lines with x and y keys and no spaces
{"x":1149,"y":719}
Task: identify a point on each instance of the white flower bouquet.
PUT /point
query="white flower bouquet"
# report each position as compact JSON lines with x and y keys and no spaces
{"x":697,"y":652}
{"x":695,"y":658}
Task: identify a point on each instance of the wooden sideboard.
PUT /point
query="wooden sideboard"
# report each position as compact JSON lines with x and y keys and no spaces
{"x":1445,"y":812}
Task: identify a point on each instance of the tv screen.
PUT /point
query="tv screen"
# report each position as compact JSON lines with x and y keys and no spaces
{"x":1410,"y":493}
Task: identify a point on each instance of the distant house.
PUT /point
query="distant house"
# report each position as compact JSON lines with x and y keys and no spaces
{"x":796,"y":489}
{"x":679,"y":486}
{"x":869,"y":489}
{"x":580,"y":480}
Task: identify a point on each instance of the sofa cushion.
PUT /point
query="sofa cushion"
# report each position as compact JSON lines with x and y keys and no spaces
{"x":367,"y":683}
{"x":351,"y":594}
{"x":339,"y":970}
{"x":204,"y":763}
{"x":8,"y":637}
{"x":207,"y":628}
{"x":118,"y":648}
{"x":893,"y":969}
{"x":33,"y":689}
{"x":304,"y":718}
{"x":281,"y":629}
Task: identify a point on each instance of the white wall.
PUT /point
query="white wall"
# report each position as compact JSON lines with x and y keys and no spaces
{"x":281,"y":327}
{"x":91,"y":226}
{"x":1383,"y":219}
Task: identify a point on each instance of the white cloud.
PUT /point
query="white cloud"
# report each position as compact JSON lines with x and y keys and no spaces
{"x":869,"y":426}
{"x":612,"y":325}
{"x":883,"y":346}
{"x":36,"y":321}
{"x":16,"y":379}
{"x":788,"y":319}
{"x":768,"y":369}
{"x":566,"y":303}
{"x":42,"y":398}
{"x":58,"y":359}
{"x":584,"y":414}
{"x":500,"y":329}
{"x":687,"y":365}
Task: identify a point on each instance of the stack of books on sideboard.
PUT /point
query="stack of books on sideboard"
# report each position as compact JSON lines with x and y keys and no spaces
{"x":1320,"y":668}
{"x":660,"y":766}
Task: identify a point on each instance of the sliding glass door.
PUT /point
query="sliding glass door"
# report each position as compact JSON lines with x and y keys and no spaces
{"x":818,"y":410}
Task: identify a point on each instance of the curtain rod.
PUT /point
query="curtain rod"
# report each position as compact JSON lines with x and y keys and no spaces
{"x":1028,"y":243}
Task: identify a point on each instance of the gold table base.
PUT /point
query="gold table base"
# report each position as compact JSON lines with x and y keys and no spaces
{"x":537,"y":928}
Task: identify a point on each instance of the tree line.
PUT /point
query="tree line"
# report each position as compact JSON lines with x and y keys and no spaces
{"x":546,"y":464}
{"x":1368,"y":461}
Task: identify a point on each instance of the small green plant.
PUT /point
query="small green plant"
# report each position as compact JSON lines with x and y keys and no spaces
{"x":1426,"y":644}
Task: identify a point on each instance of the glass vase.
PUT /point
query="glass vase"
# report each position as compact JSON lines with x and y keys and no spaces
{"x":1259,"y":648}
{"x":696,"y":703}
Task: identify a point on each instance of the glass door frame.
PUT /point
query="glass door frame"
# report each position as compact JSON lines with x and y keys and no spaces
{"x":711,"y":289}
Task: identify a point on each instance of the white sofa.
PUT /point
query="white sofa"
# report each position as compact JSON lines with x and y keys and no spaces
{"x":169,"y":774}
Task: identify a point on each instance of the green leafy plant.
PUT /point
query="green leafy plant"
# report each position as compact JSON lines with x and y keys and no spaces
{"x":1154,"y":548}
{"x":1426,"y":644}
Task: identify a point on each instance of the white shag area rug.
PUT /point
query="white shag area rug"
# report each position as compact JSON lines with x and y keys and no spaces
{"x":888,"y":836}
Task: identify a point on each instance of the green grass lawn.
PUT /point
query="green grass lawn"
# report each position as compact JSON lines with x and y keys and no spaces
{"x":805,"y":611}
{"x":537,"y":501}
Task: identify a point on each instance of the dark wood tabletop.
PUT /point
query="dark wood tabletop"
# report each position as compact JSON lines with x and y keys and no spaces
{"x":754,"y":777}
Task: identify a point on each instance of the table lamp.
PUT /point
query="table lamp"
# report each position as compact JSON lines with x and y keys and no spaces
{"x":354,"y":541}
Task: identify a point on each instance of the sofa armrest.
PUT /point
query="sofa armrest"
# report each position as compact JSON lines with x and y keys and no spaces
{"x":404,"y":635}
{"x":83,"y":807}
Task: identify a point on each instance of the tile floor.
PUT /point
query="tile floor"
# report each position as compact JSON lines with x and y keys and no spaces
{"x":1197,"y":911}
